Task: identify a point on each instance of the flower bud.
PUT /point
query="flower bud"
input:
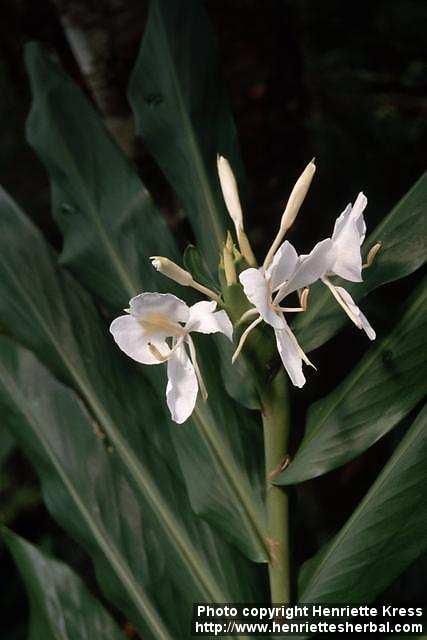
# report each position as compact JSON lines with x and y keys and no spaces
{"x":230,"y":192}
{"x":297,"y":196}
{"x":228,"y":261}
{"x":172,"y":270}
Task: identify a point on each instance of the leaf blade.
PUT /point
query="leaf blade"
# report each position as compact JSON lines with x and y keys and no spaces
{"x":363,"y":408}
{"x":383,"y":536}
{"x":61,"y":606}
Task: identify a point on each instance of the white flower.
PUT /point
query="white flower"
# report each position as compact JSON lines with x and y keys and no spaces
{"x":347,"y":238}
{"x":157,"y":329}
{"x":267,"y":288}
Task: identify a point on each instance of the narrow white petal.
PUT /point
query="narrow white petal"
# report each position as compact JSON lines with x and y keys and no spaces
{"x":363,"y":322}
{"x":290,"y":354}
{"x":159,"y":304}
{"x":134,"y":341}
{"x":204,"y":319}
{"x":309,"y":269}
{"x":257,"y":290}
{"x":182,"y":387}
{"x":283,"y":265}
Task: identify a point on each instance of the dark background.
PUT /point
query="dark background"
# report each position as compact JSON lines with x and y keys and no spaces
{"x":344,"y":82}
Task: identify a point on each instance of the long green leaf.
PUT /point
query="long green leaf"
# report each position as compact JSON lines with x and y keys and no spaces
{"x":61,"y":606}
{"x":225,"y":469}
{"x":51,"y":314}
{"x":403,"y":237}
{"x":98,"y":196}
{"x":79,"y":478}
{"x":383,"y":536}
{"x":386,"y":384}
{"x":182,"y":113}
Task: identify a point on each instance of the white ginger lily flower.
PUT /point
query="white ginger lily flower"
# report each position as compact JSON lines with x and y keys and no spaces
{"x":153,"y":319}
{"x":347,"y":238}
{"x":266,"y":289}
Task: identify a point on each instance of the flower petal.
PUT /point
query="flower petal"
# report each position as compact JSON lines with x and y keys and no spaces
{"x":163,"y":304}
{"x":134,"y":341}
{"x":182,"y":387}
{"x":204,"y":319}
{"x":284,"y":263}
{"x":289,"y":351}
{"x":257,"y":290}
{"x":309,"y":268}
{"x":364,"y":322}
{"x":349,"y":233}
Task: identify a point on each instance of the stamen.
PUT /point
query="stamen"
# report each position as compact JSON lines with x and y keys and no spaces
{"x":303,"y":300}
{"x":341,"y":302}
{"x":371,"y":255}
{"x":243,"y":338}
{"x":198,"y":373}
{"x":157,"y":354}
{"x":248,"y":314}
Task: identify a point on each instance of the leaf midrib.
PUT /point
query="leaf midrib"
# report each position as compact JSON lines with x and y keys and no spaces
{"x":406,"y":444}
{"x":114,"y":557}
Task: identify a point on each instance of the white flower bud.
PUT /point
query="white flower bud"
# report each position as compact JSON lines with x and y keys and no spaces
{"x":297,"y":196}
{"x":172,"y":270}
{"x":230,"y":192}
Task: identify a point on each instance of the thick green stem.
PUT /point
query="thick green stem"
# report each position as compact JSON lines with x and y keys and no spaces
{"x":275,"y":414}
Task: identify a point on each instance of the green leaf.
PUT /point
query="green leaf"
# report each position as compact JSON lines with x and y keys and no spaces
{"x":243,"y":524}
{"x":403,"y":237}
{"x":386,"y":384}
{"x":47,"y":311}
{"x":7,"y":445}
{"x":183,"y":115}
{"x":57,"y":434}
{"x":383,"y":536}
{"x":61,"y":606}
{"x":98,"y":198}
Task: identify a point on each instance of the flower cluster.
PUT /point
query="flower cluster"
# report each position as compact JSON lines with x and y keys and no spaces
{"x":157,"y":327}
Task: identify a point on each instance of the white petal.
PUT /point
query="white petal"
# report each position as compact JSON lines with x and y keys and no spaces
{"x":163,"y":304}
{"x":182,"y":387}
{"x":257,"y":290}
{"x":134,"y":341}
{"x":309,"y":268}
{"x":357,"y":213}
{"x":349,"y":233}
{"x":289,"y":351}
{"x":348,"y":259}
{"x":364,"y":323}
{"x":352,"y":214}
{"x":204,"y":319}
{"x":284,"y":263}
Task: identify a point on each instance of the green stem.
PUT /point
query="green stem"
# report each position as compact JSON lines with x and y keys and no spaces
{"x":275,"y":416}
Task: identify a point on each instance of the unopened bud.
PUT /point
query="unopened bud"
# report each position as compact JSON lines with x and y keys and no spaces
{"x":297,"y":196}
{"x":230,"y":192}
{"x":245,"y":248}
{"x":228,"y":261}
{"x":295,"y":201}
{"x":172,"y":270}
